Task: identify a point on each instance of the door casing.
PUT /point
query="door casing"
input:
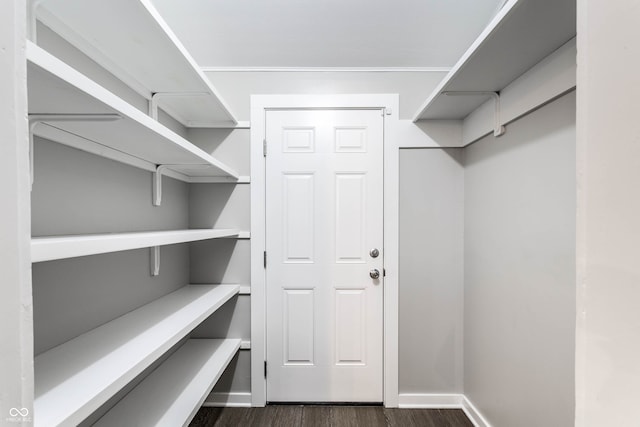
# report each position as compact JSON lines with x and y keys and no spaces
{"x":389,"y":103}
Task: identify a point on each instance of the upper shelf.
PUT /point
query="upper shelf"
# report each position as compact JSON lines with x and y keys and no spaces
{"x":131,"y":40}
{"x":522,"y":34}
{"x":56,"y":90}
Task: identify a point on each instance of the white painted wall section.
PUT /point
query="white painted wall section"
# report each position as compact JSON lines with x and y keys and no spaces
{"x":608,"y":319}
{"x":16,"y":315}
{"x":412,"y":86}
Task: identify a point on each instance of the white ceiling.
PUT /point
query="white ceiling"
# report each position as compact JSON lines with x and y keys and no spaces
{"x":327,"y":33}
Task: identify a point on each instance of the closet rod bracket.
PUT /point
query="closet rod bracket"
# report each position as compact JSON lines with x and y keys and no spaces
{"x":155,"y":99}
{"x":498,"y":128}
{"x":35,"y":119}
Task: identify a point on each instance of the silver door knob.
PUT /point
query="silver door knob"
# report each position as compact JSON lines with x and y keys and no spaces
{"x":374,"y":274}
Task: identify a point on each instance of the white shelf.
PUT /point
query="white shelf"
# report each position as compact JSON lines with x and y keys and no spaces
{"x":172,"y":394}
{"x":245,"y":288}
{"x":522,"y":34}
{"x":56,"y":89}
{"x":61,"y":247}
{"x":73,"y":379}
{"x":143,"y":52}
{"x":242,"y":179}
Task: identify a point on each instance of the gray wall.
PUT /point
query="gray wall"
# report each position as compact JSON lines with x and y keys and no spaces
{"x":75,"y":193}
{"x":224,"y":260}
{"x":519,"y":295}
{"x":431,"y":270}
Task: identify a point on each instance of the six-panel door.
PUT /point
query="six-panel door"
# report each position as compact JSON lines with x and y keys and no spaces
{"x":324,"y":198}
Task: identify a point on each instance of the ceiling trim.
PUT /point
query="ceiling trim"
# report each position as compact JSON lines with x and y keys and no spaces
{"x":326,"y":69}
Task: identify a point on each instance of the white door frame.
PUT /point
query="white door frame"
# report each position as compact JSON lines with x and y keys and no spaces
{"x":259,"y":105}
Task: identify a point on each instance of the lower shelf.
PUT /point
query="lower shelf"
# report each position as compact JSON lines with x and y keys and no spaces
{"x":75,"y":378}
{"x":172,"y":394}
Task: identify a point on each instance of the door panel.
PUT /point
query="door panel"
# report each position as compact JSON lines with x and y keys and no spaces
{"x":298,"y":343}
{"x":350,"y":217}
{"x":351,"y":327}
{"x":324,"y":205}
{"x":298,"y":212}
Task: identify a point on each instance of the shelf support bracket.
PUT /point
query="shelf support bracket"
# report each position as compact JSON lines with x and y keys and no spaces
{"x":33,"y":19}
{"x":498,"y":128}
{"x":157,"y":179}
{"x":155,"y":99}
{"x":157,"y":184}
{"x":154,"y":253}
{"x":35,"y":119}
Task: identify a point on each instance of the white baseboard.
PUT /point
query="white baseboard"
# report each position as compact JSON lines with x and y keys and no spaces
{"x":443,"y":401}
{"x":232,"y":400}
{"x":405,"y":400}
{"x":473,"y":414}
{"x":430,"y":401}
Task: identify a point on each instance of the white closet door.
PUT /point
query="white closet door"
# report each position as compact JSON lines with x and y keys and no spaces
{"x":324,"y":216}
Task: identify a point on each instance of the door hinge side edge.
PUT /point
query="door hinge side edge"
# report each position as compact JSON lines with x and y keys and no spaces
{"x":264,"y":147}
{"x":264,"y":260}
{"x":265,"y":369}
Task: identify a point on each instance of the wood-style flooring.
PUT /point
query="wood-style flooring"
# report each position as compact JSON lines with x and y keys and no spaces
{"x":329,"y":416}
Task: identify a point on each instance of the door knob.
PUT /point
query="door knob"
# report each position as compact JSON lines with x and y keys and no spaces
{"x":374,"y":274}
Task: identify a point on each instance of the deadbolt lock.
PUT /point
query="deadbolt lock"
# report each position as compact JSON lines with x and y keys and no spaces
{"x":374,"y":253}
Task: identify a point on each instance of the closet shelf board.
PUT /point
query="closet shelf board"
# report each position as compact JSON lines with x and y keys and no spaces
{"x":73,"y":379}
{"x":61,"y":247}
{"x":172,"y":394}
{"x":142,"y":51}
{"x":57,"y":89}
{"x":522,"y":34}
{"x":244,"y":235}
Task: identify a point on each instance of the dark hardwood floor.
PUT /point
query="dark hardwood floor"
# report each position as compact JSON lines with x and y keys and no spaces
{"x":329,"y":416}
